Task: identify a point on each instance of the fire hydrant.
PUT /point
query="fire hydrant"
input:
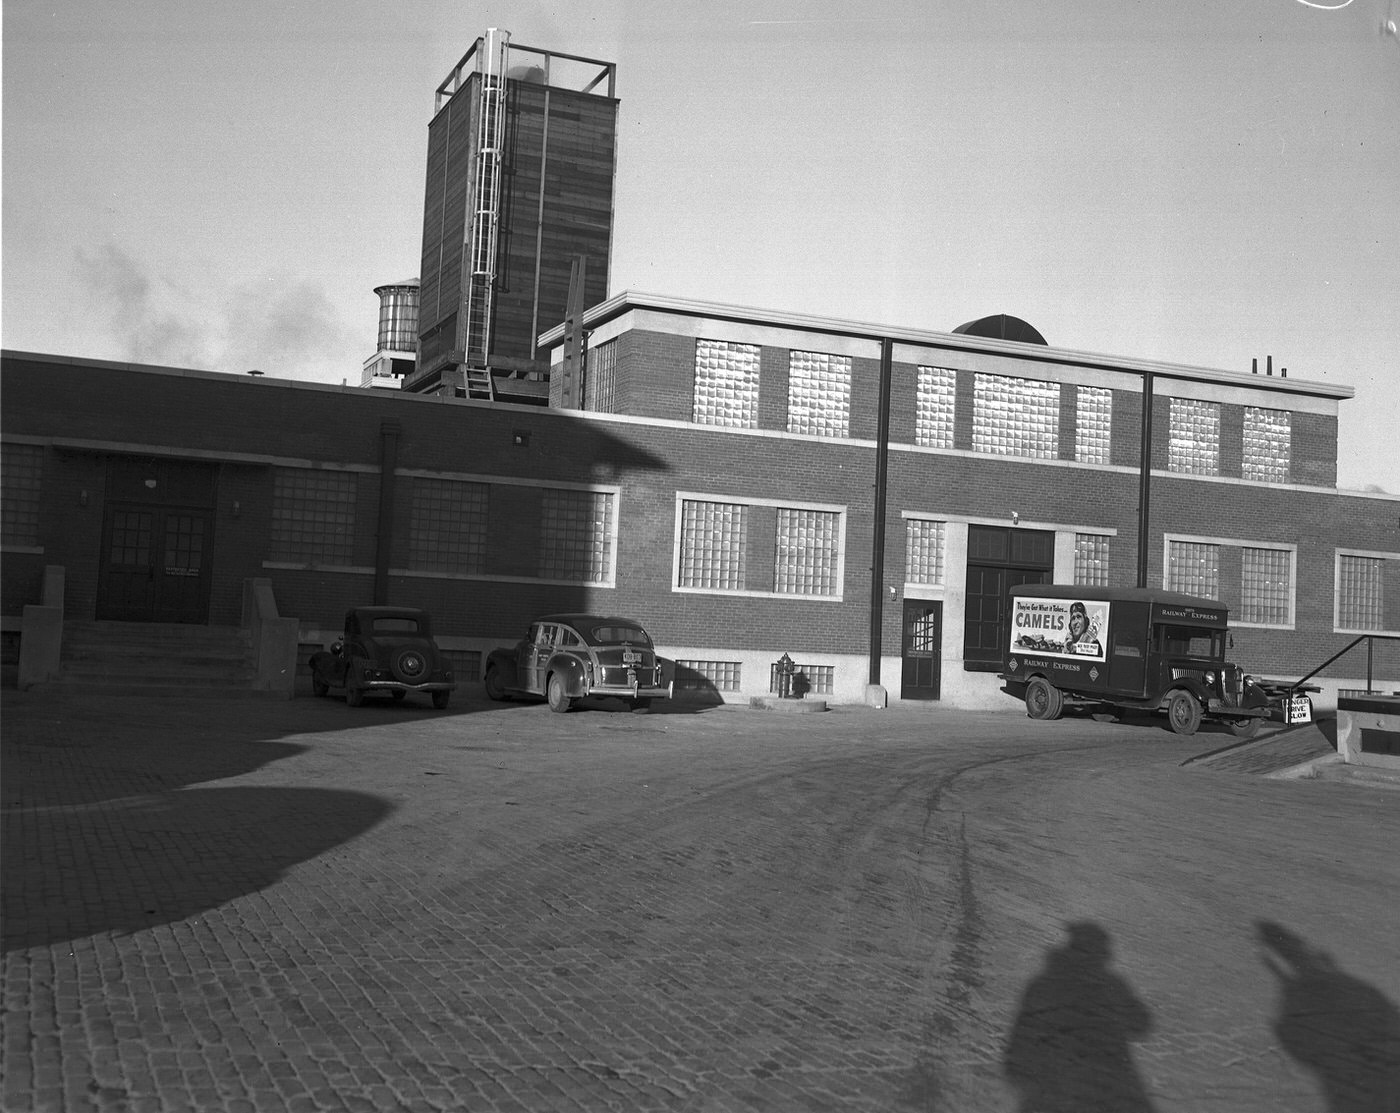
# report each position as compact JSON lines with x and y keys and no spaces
{"x":786,"y":669}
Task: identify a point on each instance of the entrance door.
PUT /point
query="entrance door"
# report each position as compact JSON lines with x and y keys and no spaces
{"x":998,"y":559}
{"x":155,"y":565}
{"x":923,"y":640}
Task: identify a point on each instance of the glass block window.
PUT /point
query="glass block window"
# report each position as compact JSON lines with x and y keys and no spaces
{"x":447,"y":526}
{"x":1194,"y":444}
{"x":819,"y":394}
{"x":808,"y":542}
{"x":1360,"y":592}
{"x":600,"y":379}
{"x":1016,"y":417}
{"x":935,"y":406}
{"x":576,"y":535}
{"x":313,"y":515}
{"x":21,"y":473}
{"x":1193,"y":567}
{"x":923,"y":552}
{"x":726,"y":384}
{"x":1091,"y":559}
{"x":714,"y":544}
{"x":1093,"y":424}
{"x":699,"y":676}
{"x":1266,"y":586}
{"x":817,"y":679}
{"x":1268,"y":437}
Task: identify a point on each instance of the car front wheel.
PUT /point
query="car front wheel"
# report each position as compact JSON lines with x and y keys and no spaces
{"x":440,"y":699}
{"x":558,"y":694}
{"x":494,"y":688}
{"x":1184,"y":712}
{"x":319,"y":686}
{"x":354,"y":696}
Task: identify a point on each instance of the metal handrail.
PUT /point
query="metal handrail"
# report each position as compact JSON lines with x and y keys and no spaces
{"x":1368,"y":639}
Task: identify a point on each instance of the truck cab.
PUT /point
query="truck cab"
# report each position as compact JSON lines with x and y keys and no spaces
{"x":1134,"y":648}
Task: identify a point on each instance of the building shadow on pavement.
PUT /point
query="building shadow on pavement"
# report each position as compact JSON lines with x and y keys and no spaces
{"x":1343,"y":1030}
{"x":1069,"y":1048}
{"x":102,"y":834}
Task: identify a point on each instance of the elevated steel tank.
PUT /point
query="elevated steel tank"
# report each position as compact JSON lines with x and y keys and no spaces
{"x":398,"y":316}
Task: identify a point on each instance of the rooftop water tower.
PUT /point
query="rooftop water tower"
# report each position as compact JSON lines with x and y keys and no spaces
{"x":396,"y":355}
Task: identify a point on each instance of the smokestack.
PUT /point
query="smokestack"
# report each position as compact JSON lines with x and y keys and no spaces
{"x":1254,"y":366}
{"x":1270,"y":366}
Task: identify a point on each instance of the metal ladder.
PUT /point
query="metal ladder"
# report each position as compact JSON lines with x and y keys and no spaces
{"x":485,"y":223}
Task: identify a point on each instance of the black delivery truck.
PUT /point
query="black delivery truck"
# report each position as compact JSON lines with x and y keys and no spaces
{"x":1135,"y":648}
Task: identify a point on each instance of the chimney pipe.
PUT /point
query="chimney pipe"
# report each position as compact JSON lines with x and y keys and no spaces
{"x":1270,"y":366}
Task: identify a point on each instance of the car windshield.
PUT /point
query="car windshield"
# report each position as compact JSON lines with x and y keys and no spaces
{"x":396,"y":625}
{"x":618,"y":633}
{"x":1192,"y":641}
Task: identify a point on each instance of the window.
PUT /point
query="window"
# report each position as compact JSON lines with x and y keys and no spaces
{"x":447,"y":526}
{"x":313,"y":516}
{"x":1091,"y":559}
{"x":1267,"y":445}
{"x":21,"y":472}
{"x":1194,"y":444}
{"x":1016,"y":417}
{"x":700,"y":676}
{"x":726,"y":384}
{"x":1093,"y":424}
{"x":1193,"y":567}
{"x":819,"y":394}
{"x":935,"y":406}
{"x":923,"y":551}
{"x":808,"y":552}
{"x":1266,"y":586}
{"x":1360,"y":592}
{"x":714,"y":543}
{"x":576,"y":536}
{"x":600,"y":379}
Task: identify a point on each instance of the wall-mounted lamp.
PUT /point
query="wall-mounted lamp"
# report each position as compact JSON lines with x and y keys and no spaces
{"x":894,"y":593}
{"x":82,"y":497}
{"x":237,"y":508}
{"x":1015,"y":518}
{"x":520,"y":438}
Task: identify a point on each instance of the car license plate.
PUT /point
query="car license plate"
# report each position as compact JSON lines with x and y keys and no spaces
{"x":631,"y":657}
{"x":1298,"y":710}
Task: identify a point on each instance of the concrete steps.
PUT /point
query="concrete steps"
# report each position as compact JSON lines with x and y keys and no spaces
{"x":155,"y":658}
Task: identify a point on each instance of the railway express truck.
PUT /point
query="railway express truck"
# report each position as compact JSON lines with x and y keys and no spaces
{"x":1110,"y":649}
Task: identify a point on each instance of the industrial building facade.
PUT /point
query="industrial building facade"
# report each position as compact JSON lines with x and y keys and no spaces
{"x":746,"y":484}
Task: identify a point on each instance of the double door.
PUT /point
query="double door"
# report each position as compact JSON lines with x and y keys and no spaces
{"x":155,"y":564}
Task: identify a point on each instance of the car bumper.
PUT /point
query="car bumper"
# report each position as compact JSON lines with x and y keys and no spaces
{"x":396,"y":686}
{"x":623,"y":691}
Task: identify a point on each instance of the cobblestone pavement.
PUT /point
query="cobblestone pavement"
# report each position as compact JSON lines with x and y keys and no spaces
{"x":265,"y":906}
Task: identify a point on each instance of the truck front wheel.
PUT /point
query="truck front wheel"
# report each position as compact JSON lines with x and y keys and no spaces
{"x":1184,"y":712}
{"x":1043,"y":699}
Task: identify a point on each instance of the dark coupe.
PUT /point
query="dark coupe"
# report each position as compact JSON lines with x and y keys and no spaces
{"x":383,"y":649}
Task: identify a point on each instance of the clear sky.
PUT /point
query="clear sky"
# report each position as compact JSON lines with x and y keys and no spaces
{"x":1197,"y":181}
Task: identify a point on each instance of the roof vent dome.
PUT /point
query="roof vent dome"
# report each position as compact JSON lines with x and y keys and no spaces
{"x":1002,"y":326}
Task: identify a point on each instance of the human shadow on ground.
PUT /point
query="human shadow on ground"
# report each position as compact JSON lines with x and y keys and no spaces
{"x":1342,"y":1029}
{"x":1069,"y":1047}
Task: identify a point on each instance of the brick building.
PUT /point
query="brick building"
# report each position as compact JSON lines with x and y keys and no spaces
{"x":744,"y":483}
